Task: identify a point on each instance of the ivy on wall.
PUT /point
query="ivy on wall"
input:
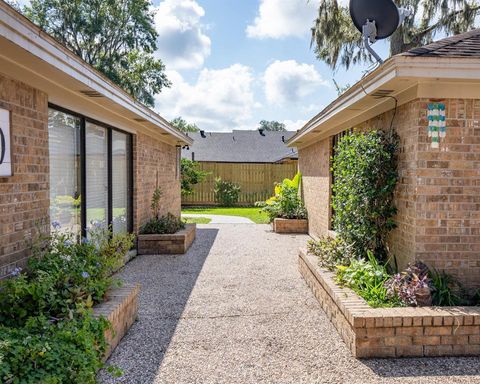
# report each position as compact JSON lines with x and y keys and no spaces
{"x":365,"y":174}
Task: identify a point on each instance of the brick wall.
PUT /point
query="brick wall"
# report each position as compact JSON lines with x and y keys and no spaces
{"x":438,"y":194}
{"x":24,"y":198}
{"x":314,"y":163}
{"x":154,"y":165}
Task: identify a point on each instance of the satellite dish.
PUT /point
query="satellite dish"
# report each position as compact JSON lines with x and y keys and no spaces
{"x":376,"y":19}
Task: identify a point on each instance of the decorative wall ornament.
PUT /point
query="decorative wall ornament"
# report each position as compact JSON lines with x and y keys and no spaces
{"x":437,"y":126}
{"x":5,"y":144}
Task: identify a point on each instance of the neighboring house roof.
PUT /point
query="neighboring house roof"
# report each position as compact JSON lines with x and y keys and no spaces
{"x":240,"y":147}
{"x":448,"y":68}
{"x":31,"y":55}
{"x":465,"y":44}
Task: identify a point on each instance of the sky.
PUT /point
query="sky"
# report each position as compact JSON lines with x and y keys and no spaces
{"x":233,"y":63}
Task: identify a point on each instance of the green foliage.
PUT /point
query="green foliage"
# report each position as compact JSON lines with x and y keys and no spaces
{"x":155,"y":203}
{"x":42,"y":351}
{"x":365,"y":176}
{"x":331,"y":252}
{"x":183,"y":126}
{"x":226,"y":192}
{"x":272,"y":126}
{"x":286,"y":203}
{"x":191,"y":175}
{"x":367,"y":278}
{"x":116,"y":37}
{"x":167,"y":224}
{"x":337,"y":41}
{"x":446,"y":289}
{"x":47,"y":331}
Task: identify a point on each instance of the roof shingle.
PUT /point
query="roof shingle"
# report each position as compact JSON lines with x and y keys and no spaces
{"x":241,"y":147}
{"x":464,"y":45}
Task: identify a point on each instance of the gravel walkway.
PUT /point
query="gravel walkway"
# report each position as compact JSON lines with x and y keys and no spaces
{"x":234,"y":309}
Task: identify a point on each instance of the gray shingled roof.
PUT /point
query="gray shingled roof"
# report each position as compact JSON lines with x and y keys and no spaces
{"x":240,"y":147}
{"x":464,"y":45}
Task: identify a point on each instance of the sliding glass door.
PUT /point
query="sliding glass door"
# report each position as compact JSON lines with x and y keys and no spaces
{"x":90,"y":174}
{"x":65,"y":176}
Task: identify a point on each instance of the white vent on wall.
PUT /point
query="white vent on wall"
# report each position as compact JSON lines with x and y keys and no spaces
{"x":5,"y":144}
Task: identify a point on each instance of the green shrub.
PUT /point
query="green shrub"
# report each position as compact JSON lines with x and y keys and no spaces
{"x":191,"y":176}
{"x":367,"y":278}
{"x":331,"y":252}
{"x":365,"y":176}
{"x":286,"y":203}
{"x":167,"y":224}
{"x":47,"y":331}
{"x":226,"y":192}
{"x":446,"y":291}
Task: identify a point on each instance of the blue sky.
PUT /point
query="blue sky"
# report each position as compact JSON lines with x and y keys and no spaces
{"x":233,"y":63}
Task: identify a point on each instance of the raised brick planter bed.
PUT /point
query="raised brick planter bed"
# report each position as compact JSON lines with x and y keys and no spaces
{"x":167,"y":244}
{"x":392,"y":332}
{"x":290,"y":226}
{"x":121,"y":309}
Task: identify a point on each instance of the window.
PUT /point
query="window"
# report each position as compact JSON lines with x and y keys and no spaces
{"x":91,"y":174}
{"x":65,"y":178}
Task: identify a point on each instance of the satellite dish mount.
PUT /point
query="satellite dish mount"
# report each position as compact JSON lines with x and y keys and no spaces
{"x":377,"y":19}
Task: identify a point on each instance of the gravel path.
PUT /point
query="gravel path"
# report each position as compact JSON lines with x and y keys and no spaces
{"x":234,"y":309}
{"x":222,"y":219}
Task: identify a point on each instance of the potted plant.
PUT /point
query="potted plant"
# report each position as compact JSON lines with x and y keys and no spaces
{"x":286,"y":209}
{"x":166,"y":234}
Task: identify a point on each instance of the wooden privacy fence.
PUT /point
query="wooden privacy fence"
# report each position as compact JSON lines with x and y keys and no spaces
{"x":255,"y":180}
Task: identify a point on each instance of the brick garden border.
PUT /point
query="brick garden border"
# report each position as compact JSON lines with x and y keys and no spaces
{"x":392,"y":332}
{"x":176,"y":243}
{"x":290,"y":225}
{"x":121,"y":309}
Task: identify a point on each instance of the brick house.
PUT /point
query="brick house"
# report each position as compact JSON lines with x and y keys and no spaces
{"x":438,"y":194}
{"x":75,"y":148}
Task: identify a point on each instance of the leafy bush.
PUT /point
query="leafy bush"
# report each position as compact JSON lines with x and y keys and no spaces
{"x":191,"y":175}
{"x":446,"y":290}
{"x":226,"y":192}
{"x":412,"y":286}
{"x":167,"y":224}
{"x":286,"y":203}
{"x":365,"y":176}
{"x":331,"y":252}
{"x":367,"y":278}
{"x":47,"y":331}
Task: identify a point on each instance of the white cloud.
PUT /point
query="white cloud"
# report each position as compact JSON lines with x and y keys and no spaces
{"x":220,"y":100}
{"x":283,"y":18}
{"x":182,"y":43}
{"x":289,"y":81}
{"x":294,"y":125}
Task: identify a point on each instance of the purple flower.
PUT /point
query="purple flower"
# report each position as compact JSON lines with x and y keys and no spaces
{"x":16,"y":271}
{"x":85,"y":240}
{"x":56,"y":224}
{"x":68,"y":243}
{"x":85,"y":275}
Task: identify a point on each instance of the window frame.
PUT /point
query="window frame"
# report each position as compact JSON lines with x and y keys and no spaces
{"x":83,"y":168}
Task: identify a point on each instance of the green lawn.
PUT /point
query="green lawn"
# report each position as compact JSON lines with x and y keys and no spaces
{"x":252,"y":213}
{"x":196,"y":220}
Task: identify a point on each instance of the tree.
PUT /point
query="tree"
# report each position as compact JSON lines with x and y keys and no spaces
{"x":183,"y":126}
{"x":117,"y":37}
{"x":273,"y":126}
{"x":338,"y":42}
{"x":191,"y":175}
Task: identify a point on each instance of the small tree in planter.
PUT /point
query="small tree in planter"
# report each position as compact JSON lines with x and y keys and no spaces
{"x":286,"y":209}
{"x":164,"y":234}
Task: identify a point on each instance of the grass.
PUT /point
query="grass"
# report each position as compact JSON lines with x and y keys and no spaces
{"x":196,"y":220}
{"x":251,"y":213}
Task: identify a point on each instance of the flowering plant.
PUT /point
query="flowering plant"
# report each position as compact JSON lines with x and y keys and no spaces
{"x":409,"y":285}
